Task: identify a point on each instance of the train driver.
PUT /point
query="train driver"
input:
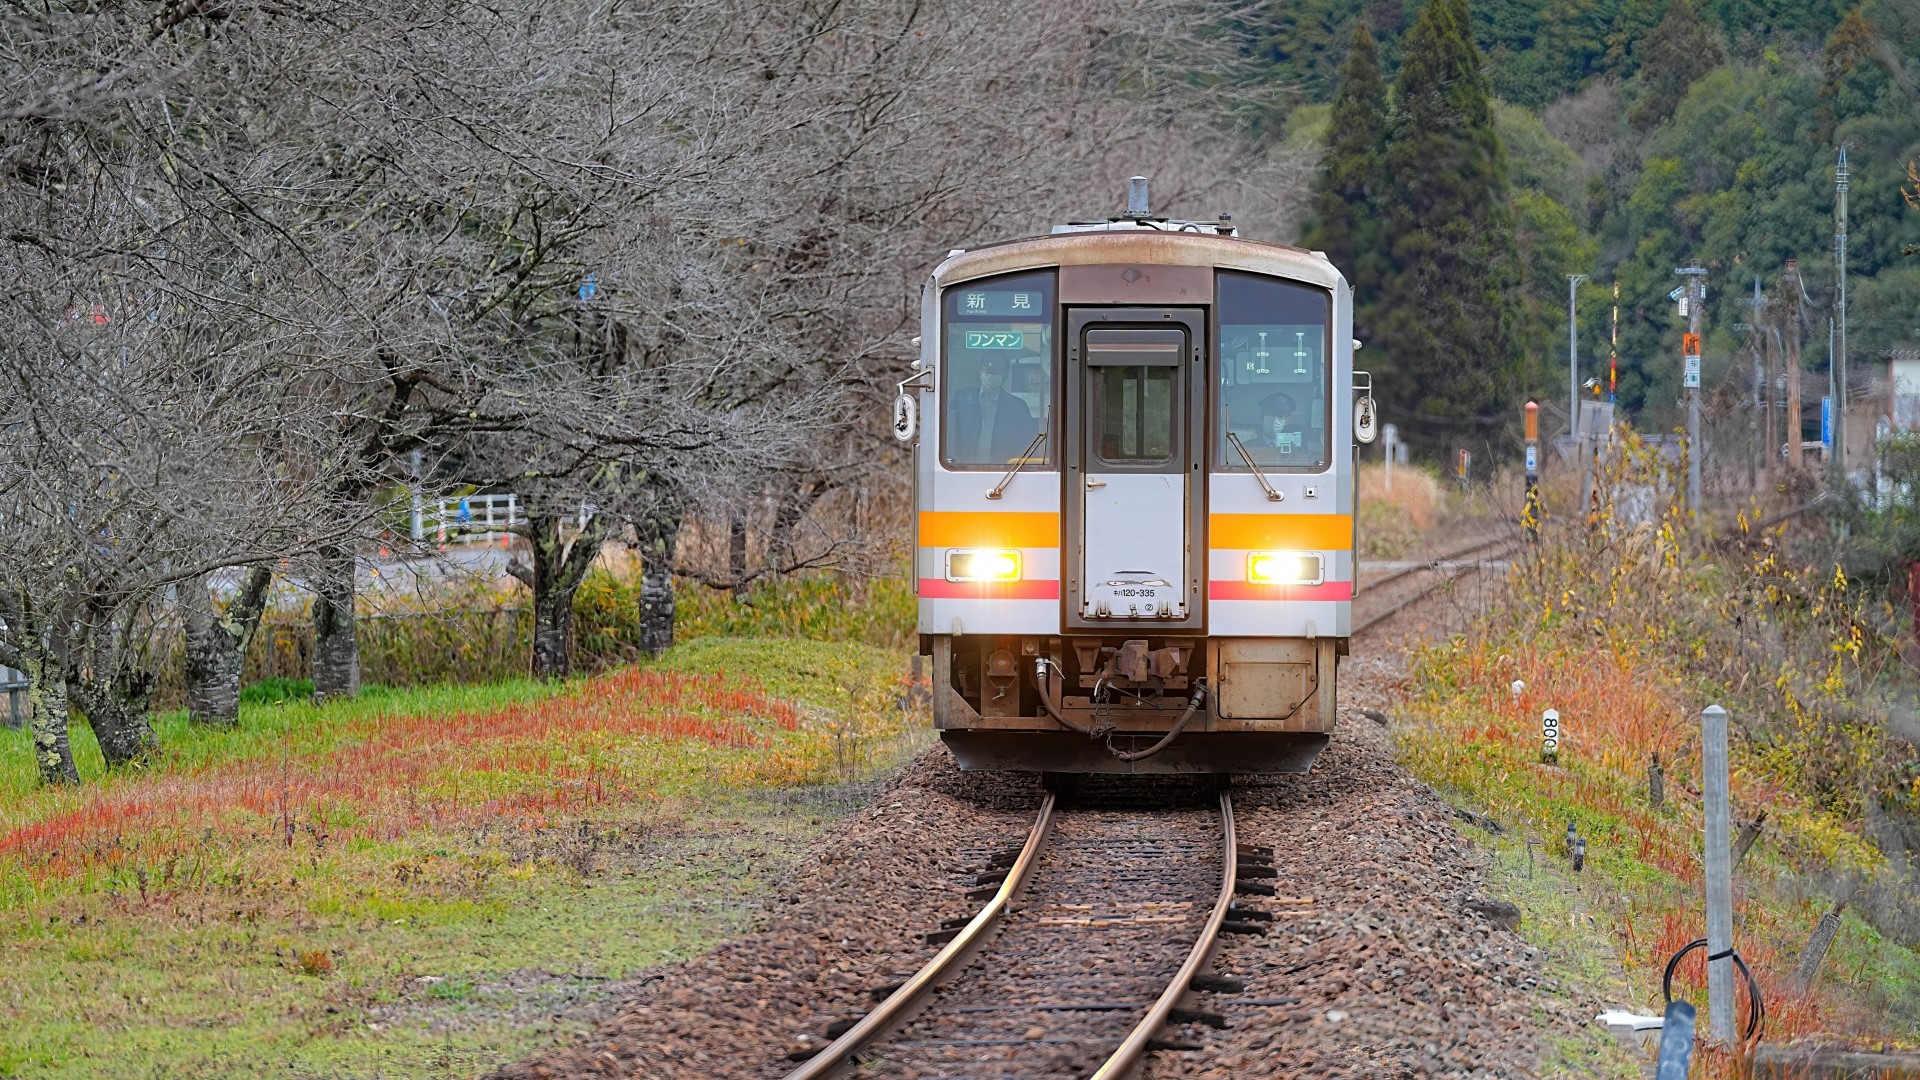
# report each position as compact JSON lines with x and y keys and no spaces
{"x":1278,"y":427}
{"x":989,"y":424}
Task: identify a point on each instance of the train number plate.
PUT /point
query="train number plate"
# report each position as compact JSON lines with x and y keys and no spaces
{"x":1135,"y":600}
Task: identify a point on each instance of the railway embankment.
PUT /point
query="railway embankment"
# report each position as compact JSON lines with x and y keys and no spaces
{"x":1626,"y":626}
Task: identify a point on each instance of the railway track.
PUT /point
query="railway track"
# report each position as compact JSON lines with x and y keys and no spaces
{"x":1090,"y":945}
{"x":1095,"y":936}
{"x":1438,"y":572}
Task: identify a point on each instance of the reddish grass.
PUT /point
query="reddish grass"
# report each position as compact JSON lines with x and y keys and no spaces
{"x":403,"y":773}
{"x":1615,"y":712}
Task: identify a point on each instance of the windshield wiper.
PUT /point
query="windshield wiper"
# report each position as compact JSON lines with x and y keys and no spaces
{"x":1272,"y":495}
{"x":1018,"y":462}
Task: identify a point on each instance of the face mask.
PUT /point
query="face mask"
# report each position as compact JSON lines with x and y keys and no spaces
{"x":991,"y":381}
{"x":1275,"y":423}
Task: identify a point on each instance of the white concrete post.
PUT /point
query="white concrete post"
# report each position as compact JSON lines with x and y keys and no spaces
{"x":1713,"y":780}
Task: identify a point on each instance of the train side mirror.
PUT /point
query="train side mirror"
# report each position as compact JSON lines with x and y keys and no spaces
{"x":1366,"y":418}
{"x":906,"y":417}
{"x":1366,"y":421}
{"x":906,"y":408}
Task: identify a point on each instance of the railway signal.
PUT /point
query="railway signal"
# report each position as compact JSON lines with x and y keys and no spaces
{"x":1693,"y":298}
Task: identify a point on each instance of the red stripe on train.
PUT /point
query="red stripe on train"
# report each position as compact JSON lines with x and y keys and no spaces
{"x":1247,"y":590}
{"x":942,"y":589}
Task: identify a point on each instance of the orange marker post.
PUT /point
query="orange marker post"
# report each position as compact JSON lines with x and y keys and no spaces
{"x":1530,"y":516}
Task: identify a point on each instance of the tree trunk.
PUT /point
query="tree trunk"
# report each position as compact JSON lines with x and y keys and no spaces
{"x":737,"y":553}
{"x":216,"y":646}
{"x":111,"y":692}
{"x":52,"y":752}
{"x":658,"y":538}
{"x":558,"y":569}
{"x":336,"y":648}
{"x":794,"y":505}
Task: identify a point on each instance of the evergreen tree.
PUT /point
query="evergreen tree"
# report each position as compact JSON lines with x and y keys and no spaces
{"x":1847,"y":88}
{"x":1445,"y":322}
{"x":1682,"y":49}
{"x":1632,"y":25}
{"x":1345,"y":220}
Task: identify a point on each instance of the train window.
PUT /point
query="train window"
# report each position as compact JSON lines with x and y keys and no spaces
{"x":997,"y":389}
{"x":1273,"y":372}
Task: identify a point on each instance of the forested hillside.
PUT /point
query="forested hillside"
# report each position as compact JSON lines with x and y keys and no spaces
{"x":1634,"y":136}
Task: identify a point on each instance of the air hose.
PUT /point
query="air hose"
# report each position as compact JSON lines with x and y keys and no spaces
{"x":1193,"y":706}
{"x":1756,"y":1010}
{"x":1047,"y":702}
{"x":1179,"y":725}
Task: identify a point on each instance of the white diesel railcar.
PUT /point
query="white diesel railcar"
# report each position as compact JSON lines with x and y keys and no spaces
{"x":1134,"y":484}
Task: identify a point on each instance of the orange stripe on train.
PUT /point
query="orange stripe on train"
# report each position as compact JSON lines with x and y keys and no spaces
{"x":989,"y":528}
{"x":1286,"y":532}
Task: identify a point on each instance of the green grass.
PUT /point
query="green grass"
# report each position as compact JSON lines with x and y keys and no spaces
{"x":364,"y":939}
{"x":1568,"y":920}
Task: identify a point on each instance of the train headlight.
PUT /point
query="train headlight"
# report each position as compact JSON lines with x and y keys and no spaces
{"x":1285,"y":568}
{"x":986,"y":564}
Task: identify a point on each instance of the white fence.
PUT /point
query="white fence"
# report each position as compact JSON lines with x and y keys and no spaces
{"x":471,"y":517}
{"x":15,"y":685}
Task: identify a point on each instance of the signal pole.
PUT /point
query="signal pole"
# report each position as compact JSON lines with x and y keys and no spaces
{"x":1840,"y":185}
{"x":1790,"y":292}
{"x":1613,"y":347}
{"x":1696,"y":286}
{"x":1573,"y":355}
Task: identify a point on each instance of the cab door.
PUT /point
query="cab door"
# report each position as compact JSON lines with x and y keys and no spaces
{"x":1133,"y":450}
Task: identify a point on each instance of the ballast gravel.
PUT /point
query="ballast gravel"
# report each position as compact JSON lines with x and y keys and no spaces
{"x":1378,"y":961}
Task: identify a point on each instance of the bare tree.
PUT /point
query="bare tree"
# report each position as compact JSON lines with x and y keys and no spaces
{"x":215,"y":643}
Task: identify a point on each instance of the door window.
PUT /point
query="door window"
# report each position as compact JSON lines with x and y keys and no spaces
{"x":1134,"y":409}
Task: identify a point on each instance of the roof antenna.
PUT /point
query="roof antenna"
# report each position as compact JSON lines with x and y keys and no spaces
{"x":1137,"y":197}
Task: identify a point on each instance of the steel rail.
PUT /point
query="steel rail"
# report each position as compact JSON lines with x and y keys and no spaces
{"x":1127,"y":1058}
{"x":1452,"y":556}
{"x":900,"y":1004}
{"x":1447,"y":579}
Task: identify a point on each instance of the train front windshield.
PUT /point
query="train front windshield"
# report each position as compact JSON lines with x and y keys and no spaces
{"x":998,"y":368}
{"x":1273,"y":373}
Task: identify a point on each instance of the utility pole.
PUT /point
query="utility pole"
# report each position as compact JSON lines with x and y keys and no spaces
{"x":1573,"y":355}
{"x":1696,"y":297}
{"x":1769,"y":337}
{"x":1790,"y":292}
{"x":1840,"y":185}
{"x":1754,"y":334}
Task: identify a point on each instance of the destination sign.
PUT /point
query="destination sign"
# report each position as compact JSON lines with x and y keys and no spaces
{"x":995,"y":339}
{"x":1031,"y":303}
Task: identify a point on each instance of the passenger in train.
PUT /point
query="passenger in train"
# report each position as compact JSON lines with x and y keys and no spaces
{"x":990,"y":424}
{"x":1278,"y":427}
